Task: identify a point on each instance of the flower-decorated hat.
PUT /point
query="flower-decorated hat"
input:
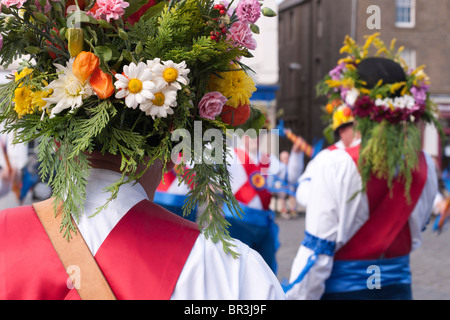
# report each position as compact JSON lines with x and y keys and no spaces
{"x":338,"y":115}
{"x":387,"y":100}
{"x":121,"y":77}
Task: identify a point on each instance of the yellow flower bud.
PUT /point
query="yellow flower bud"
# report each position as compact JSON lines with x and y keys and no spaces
{"x":75,"y":38}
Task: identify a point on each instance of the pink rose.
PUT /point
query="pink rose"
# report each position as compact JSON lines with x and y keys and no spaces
{"x":108,"y":9}
{"x":248,"y":11}
{"x":211,"y":105}
{"x":241,"y":35}
{"x":9,"y":3}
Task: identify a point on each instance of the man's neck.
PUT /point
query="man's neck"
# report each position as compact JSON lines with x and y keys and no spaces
{"x":149,"y":180}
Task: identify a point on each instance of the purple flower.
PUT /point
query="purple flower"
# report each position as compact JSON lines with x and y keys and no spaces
{"x":241,"y":35}
{"x":1,"y":41}
{"x":420,"y":93}
{"x":335,"y":73}
{"x":248,"y":11}
{"x":211,"y":105}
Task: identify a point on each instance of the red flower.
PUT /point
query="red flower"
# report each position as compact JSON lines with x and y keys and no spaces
{"x":235,"y":116}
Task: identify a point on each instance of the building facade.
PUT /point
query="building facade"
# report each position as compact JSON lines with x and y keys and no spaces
{"x":311,"y":33}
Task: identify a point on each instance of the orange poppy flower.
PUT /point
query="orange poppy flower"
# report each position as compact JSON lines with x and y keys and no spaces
{"x":84,"y":65}
{"x":102,"y":83}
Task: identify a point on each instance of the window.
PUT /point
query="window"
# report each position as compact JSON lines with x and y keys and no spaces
{"x":409,"y":56}
{"x":405,"y":12}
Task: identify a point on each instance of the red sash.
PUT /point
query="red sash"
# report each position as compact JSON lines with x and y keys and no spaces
{"x":386,"y":233}
{"x":332,"y":147}
{"x":169,"y":178}
{"x":247,"y":192}
{"x":141,"y":258}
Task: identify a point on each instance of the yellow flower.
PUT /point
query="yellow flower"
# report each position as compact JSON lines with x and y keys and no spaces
{"x":421,"y":77}
{"x":345,"y":49}
{"x":333,"y":83}
{"x":370,"y":39}
{"x":342,"y":115}
{"x":22,"y":100}
{"x":397,"y":86}
{"x":36,"y":98}
{"x":392,"y":47}
{"x":236,"y":85}
{"x":404,"y":91}
{"x":418,"y":69}
{"x":350,"y":67}
{"x":348,"y":83}
{"x":26,"y":71}
{"x":345,"y":60}
{"x":381,"y":51}
{"x":365,"y":91}
{"x":379,"y":83}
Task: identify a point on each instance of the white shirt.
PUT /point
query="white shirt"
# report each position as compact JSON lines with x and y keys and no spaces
{"x":302,"y":193}
{"x":209,"y":273}
{"x":331,"y":216}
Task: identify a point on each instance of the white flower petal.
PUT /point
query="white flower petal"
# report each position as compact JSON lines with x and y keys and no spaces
{"x":148,"y":85}
{"x":121,"y":77}
{"x":148,"y":94}
{"x":130,"y":101}
{"x":122,"y":93}
{"x":139,"y":97}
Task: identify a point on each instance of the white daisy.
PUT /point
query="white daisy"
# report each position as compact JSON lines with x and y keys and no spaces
{"x":135,"y":84}
{"x":152,"y":63}
{"x":170,"y":74}
{"x":68,"y":91}
{"x":162,"y":105}
{"x":351,"y":96}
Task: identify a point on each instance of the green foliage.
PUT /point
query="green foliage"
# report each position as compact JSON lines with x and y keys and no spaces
{"x":211,"y":188}
{"x":389,"y":152}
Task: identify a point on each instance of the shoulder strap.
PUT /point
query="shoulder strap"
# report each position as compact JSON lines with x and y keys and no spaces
{"x":93,"y":284}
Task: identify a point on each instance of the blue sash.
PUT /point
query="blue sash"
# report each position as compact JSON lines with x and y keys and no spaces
{"x":353,"y":275}
{"x":256,"y":217}
{"x":174,"y":203}
{"x":169,"y":199}
{"x":318,"y":246}
{"x":261,"y":218}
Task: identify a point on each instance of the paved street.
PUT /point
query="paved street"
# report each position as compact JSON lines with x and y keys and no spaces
{"x":430,"y":264}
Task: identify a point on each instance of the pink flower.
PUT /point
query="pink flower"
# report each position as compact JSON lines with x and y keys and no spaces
{"x":109,"y":9}
{"x":211,"y":105}
{"x":248,"y":11}
{"x":241,"y":35}
{"x":47,"y":7}
{"x":17,"y":3}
